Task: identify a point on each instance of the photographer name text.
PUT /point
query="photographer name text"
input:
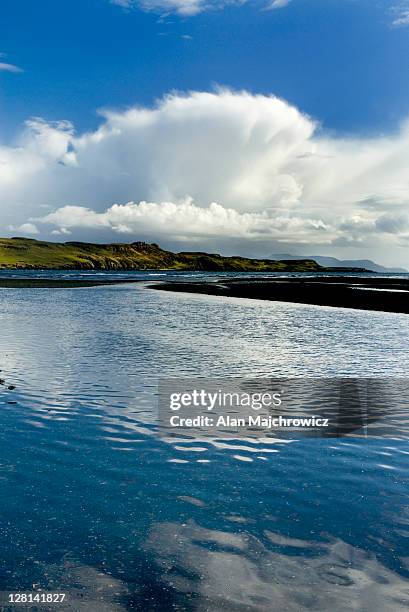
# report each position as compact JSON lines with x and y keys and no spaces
{"x":264,"y":422}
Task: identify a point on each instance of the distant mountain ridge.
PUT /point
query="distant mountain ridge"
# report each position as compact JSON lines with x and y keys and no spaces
{"x":27,"y":253}
{"x":333,"y":262}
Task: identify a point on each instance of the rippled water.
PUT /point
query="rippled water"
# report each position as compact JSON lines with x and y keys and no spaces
{"x":95,"y":503}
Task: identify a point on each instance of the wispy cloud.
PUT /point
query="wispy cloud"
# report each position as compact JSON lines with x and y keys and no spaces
{"x":189,"y":7}
{"x":122,"y":3}
{"x":401,"y":12}
{"x":182,"y":7}
{"x":277,"y":4}
{"x":10,"y":68}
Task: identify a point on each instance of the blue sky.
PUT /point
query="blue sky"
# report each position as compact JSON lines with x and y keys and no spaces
{"x":296,"y":139}
{"x":341,"y":61}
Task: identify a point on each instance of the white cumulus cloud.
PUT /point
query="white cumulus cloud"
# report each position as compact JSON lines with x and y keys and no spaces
{"x":209,"y":166}
{"x":169,"y":218}
{"x":25,"y":228}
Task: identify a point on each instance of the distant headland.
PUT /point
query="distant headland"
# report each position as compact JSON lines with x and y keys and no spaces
{"x":333,"y":262}
{"x":27,"y":253}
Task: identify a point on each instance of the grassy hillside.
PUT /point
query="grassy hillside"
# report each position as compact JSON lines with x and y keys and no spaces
{"x":28,"y":253}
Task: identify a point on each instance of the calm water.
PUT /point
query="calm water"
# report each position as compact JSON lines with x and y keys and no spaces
{"x":94,"y":503}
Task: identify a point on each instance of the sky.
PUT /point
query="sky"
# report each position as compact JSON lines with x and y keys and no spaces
{"x":249,"y":126}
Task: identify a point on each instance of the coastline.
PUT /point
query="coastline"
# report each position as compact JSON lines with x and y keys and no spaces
{"x":385,"y":294}
{"x":361,"y":293}
{"x":63,"y":283}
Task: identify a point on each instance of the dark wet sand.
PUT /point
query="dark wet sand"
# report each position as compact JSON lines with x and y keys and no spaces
{"x":364,"y":293}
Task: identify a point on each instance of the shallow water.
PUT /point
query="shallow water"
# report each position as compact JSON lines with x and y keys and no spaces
{"x":95,"y":503}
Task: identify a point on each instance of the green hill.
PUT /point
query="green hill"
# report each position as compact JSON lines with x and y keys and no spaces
{"x":35,"y":254}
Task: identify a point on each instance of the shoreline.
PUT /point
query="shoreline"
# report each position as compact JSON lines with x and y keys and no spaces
{"x":359,"y":293}
{"x":63,"y":283}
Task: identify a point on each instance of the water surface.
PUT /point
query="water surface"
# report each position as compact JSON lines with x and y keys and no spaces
{"x":95,"y":503}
